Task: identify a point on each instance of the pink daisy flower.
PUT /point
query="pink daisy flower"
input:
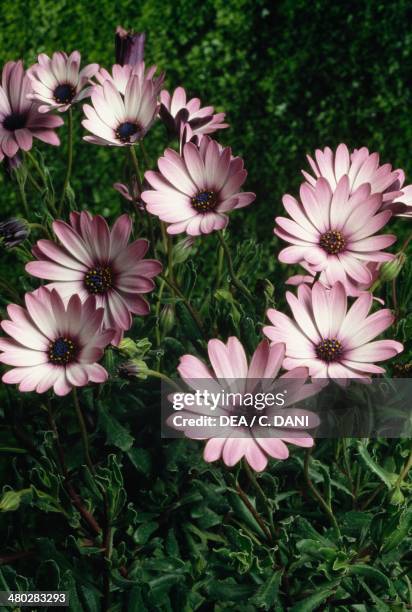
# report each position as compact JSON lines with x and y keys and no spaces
{"x":229,"y":365}
{"x":20,"y":119}
{"x":176,"y":111}
{"x":193,"y":192}
{"x":53,"y":345}
{"x":361,"y":167}
{"x":124,"y":108}
{"x":121,"y":75}
{"x":92,"y":260}
{"x":334,"y":231}
{"x":326,"y":337}
{"x":58,"y":82}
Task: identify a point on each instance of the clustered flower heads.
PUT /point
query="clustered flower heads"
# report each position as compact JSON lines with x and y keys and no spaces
{"x":92,"y":260}
{"x":335,"y":230}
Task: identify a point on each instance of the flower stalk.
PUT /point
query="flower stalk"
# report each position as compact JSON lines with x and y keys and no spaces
{"x":69,"y":159}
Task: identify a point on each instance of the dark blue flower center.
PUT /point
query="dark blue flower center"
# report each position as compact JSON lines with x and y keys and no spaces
{"x":64,"y":93}
{"x":126,"y":130}
{"x":204,"y":201}
{"x":15,"y":121}
{"x":62,"y":351}
{"x":99,"y":280}
{"x":329,"y":350}
{"x":333,"y":242}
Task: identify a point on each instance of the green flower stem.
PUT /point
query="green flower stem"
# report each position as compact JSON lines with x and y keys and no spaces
{"x":254,"y":512}
{"x":405,"y":244}
{"x":34,"y":182}
{"x":41,"y":174}
{"x":69,"y":159}
{"x":76,"y":500}
{"x":327,"y":508}
{"x":136,"y":168}
{"x":164,"y":377}
{"x":236,"y":281}
{"x":179,"y":293}
{"x":23,"y":197}
{"x":83,"y":432}
{"x":145,"y":155}
{"x":220,"y":257}
{"x":157,"y":312}
{"x":169,"y":242}
{"x":261,"y":495}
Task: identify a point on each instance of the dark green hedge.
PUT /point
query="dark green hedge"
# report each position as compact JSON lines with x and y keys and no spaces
{"x":291,"y":75}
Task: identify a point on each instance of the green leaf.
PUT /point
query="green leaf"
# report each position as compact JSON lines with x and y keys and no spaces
{"x":400,"y":532}
{"x":267,"y":596}
{"x":369,"y":572}
{"x":313,"y":601}
{"x":116,"y":434}
{"x":141,"y":459}
{"x":143,"y":533}
{"x":388,"y":478}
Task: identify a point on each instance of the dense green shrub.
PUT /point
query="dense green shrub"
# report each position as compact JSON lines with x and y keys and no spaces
{"x":291,"y":75}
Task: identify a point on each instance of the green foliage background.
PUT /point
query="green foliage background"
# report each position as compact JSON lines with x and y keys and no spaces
{"x":291,"y":75}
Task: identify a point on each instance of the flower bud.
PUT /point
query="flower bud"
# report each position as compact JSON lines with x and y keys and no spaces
{"x":133,"y":367}
{"x":13,"y":231}
{"x":130,"y":348}
{"x":129,"y":46}
{"x":167,"y":318}
{"x":182,"y":250}
{"x":391,"y":269}
{"x":11,"y":164}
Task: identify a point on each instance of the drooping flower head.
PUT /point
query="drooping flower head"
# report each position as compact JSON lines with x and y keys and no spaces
{"x":123,"y":107}
{"x":53,"y":345}
{"x":20,"y":119}
{"x":129,"y":46}
{"x":13,"y":232}
{"x":334,"y":231}
{"x":326,"y":337}
{"x":230,"y":370}
{"x":193,"y":192}
{"x":176,"y":111}
{"x":361,"y":167}
{"x":92,"y":260}
{"x":58,"y":82}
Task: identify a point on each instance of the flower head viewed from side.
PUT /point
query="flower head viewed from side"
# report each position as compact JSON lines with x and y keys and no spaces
{"x":334,"y":231}
{"x":20,"y":119}
{"x":53,"y":345}
{"x":58,"y":82}
{"x":92,"y":260}
{"x":326,"y":337}
{"x":361,"y":167}
{"x":123,"y":107}
{"x":13,"y":232}
{"x":193,"y":192}
{"x":176,"y":111}
{"x":229,"y":365}
{"x":129,"y":46}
